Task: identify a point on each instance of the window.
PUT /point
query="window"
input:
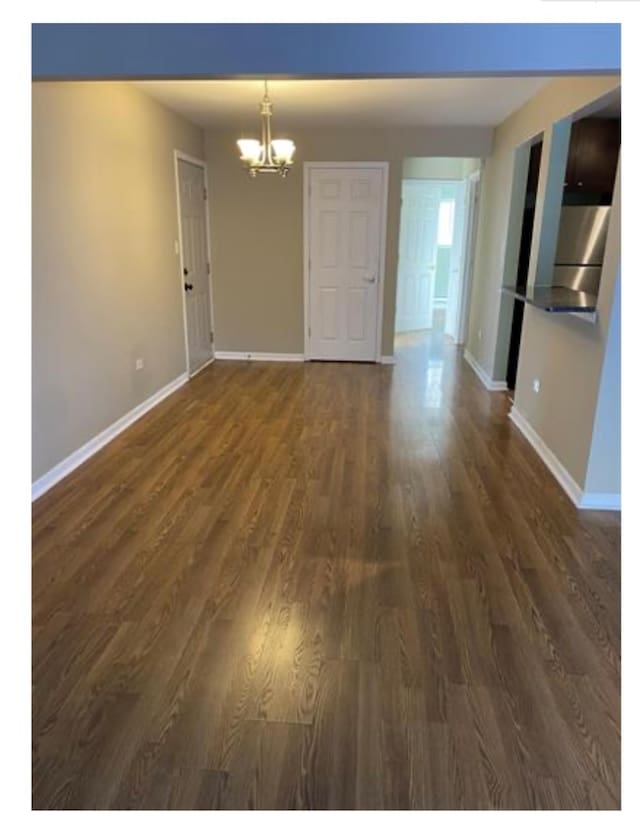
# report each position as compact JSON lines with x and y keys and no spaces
{"x":445,"y":222}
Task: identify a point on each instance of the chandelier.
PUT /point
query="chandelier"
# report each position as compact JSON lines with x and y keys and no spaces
{"x":268,"y":155}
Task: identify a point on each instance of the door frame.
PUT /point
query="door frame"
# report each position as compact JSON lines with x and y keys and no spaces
{"x":307,"y":167}
{"x":470,"y":230}
{"x":469,"y":253}
{"x":463,"y":191}
{"x":180,"y":156}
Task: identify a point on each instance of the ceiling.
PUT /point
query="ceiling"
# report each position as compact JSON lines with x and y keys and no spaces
{"x":355,"y":103}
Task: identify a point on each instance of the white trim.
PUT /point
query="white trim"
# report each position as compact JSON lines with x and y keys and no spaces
{"x":178,"y":155}
{"x":489,"y":383}
{"x":382,"y":247}
{"x":207,"y":213}
{"x":181,"y":261}
{"x":580,"y":499}
{"x":387,"y":359}
{"x":259,"y":356}
{"x":62,"y":469}
{"x":569,"y":485}
{"x":471,"y":235}
{"x":306,"y":254}
{"x":194,"y":160}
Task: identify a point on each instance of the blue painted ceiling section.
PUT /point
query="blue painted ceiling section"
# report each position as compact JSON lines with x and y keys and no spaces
{"x":209,"y":50}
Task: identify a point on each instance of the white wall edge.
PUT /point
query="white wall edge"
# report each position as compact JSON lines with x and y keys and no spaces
{"x":489,"y":383}
{"x":259,"y":356}
{"x":387,"y":359}
{"x":70,"y":463}
{"x":595,"y":501}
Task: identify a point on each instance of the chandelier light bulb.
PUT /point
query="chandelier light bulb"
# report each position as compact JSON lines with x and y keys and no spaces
{"x":249,"y":150}
{"x":283,"y":150}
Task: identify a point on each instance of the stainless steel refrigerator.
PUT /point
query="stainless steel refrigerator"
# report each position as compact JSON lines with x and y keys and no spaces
{"x":582,"y":236}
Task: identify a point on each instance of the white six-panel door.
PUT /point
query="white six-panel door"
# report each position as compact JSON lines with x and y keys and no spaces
{"x":344,"y":216}
{"x":417,"y":254}
{"x":193,"y":235}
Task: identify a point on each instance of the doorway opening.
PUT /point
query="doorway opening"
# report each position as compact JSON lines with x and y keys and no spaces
{"x":437,"y":237}
{"x":526,"y":236}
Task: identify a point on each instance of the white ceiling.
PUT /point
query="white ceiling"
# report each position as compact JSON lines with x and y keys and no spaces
{"x":356,"y":103}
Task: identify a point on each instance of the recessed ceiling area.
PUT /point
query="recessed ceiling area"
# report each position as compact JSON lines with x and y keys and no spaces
{"x":353,"y":103}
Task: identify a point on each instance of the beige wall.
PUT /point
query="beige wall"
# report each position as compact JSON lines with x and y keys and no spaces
{"x":106,"y":284}
{"x":565,"y":353}
{"x":257,"y":228}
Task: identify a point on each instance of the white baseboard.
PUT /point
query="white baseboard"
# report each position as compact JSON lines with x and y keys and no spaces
{"x":62,"y":469}
{"x":581,"y":499}
{"x":489,"y":383}
{"x":569,"y":485}
{"x":259,"y":356}
{"x":227,"y":355}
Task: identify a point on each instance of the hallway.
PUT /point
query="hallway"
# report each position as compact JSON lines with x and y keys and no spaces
{"x":325,"y":586}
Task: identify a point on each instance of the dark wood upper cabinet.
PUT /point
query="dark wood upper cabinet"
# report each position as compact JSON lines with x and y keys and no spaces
{"x":593,"y":157}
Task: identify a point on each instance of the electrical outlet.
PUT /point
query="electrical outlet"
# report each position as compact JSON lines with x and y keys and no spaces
{"x":176,"y":247}
{"x":139,"y":363}
{"x":479,"y":335}
{"x":536,"y":385}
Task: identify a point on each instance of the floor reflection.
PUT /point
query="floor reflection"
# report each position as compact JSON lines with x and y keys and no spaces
{"x":433,"y":393}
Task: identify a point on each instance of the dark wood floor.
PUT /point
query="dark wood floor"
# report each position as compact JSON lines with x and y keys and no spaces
{"x":324,"y":586}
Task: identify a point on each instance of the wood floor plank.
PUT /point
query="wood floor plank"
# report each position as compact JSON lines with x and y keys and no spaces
{"x":325,"y":586}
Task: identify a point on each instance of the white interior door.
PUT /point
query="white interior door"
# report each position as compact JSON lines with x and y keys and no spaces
{"x":344,"y":228}
{"x":417,"y":254}
{"x":195,"y":266}
{"x":456,"y":260}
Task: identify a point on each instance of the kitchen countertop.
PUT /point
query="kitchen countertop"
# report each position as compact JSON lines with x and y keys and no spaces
{"x":555,"y":298}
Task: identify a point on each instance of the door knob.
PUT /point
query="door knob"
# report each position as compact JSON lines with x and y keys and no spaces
{"x":188,"y":287}
{"x":369,"y":279}
{"x":185,"y":271}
